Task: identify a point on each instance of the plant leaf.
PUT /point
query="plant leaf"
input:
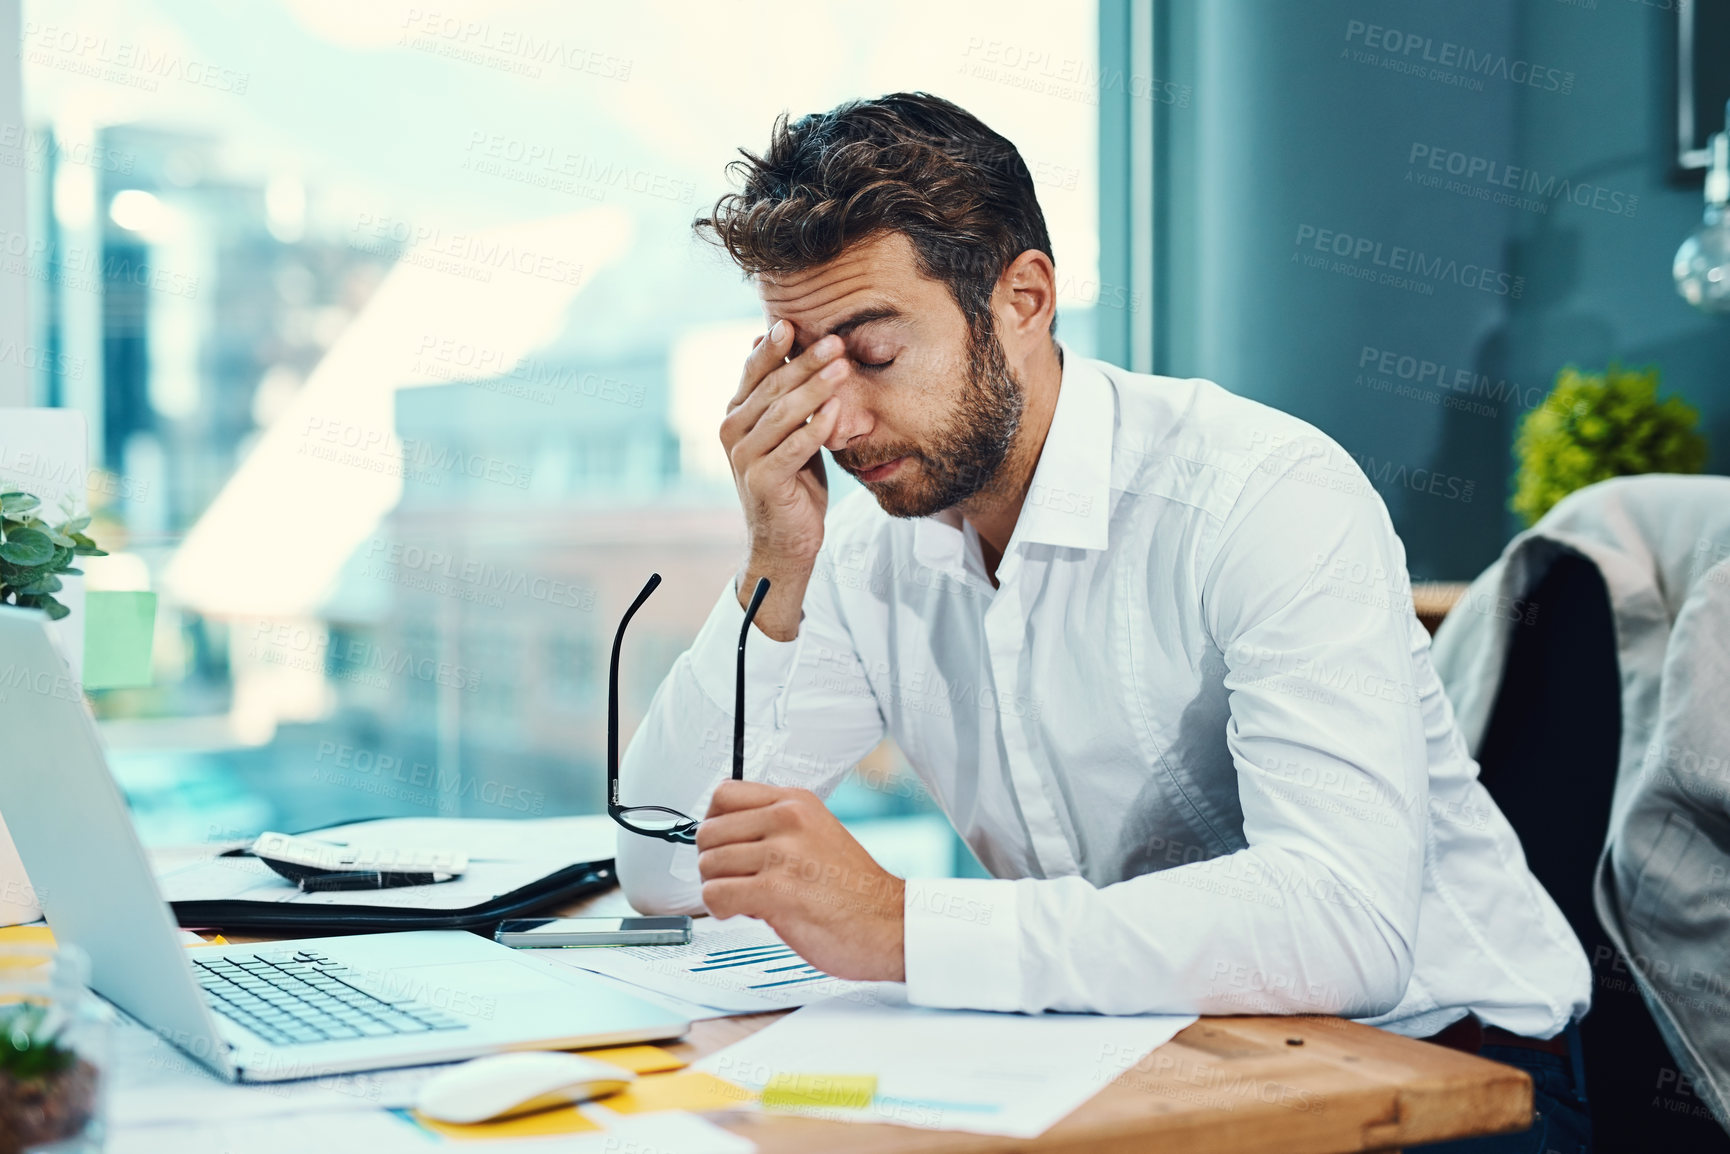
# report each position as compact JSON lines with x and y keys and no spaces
{"x":17,"y":502}
{"x":46,"y":603}
{"x":28,"y":547}
{"x":46,"y":583}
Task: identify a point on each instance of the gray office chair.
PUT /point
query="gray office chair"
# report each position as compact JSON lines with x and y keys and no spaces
{"x":1549,"y":760}
{"x":1550,"y":753}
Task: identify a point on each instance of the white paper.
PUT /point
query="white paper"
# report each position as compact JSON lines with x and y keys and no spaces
{"x":1009,"y":1074}
{"x":576,"y":839}
{"x":338,"y":1133}
{"x":683,"y":1007}
{"x":503,"y":856}
{"x":734,"y":964}
{"x":248,"y":879}
{"x":153,"y":1083}
{"x":383,"y":1132}
{"x":661,"y":1132}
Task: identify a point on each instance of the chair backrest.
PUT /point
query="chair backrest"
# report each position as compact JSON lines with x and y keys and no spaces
{"x":1549,"y":758}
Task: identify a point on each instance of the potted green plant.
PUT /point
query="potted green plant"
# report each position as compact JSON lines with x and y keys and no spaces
{"x":52,"y":1044}
{"x":1594,"y":426}
{"x":47,"y":1092}
{"x":35,"y":554}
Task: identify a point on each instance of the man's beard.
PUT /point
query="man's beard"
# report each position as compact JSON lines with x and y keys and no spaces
{"x":964,"y":457}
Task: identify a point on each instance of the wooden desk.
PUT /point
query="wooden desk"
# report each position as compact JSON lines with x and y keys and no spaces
{"x":1223,"y":1084}
{"x":1281,"y":1085}
{"x":1433,"y":600}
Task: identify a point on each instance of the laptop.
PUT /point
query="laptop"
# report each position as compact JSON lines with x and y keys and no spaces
{"x":259,"y":1013}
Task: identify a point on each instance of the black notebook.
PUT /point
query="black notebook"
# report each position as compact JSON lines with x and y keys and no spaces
{"x":515,"y":868}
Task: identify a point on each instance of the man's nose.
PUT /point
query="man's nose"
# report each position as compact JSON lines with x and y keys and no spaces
{"x":854,"y":419}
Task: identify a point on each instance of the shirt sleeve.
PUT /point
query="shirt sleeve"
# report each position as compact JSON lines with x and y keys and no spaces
{"x":810,"y":715}
{"x":1307,"y":597}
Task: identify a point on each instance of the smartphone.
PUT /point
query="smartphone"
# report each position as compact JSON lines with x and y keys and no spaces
{"x":535,"y":933}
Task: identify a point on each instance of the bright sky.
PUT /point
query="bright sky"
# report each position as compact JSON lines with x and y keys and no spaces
{"x":377,"y":106}
{"x":408,"y":122}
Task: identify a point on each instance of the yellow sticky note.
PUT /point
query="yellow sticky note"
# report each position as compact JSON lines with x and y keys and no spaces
{"x":118,"y":630}
{"x":24,"y":936}
{"x":564,"y":1120}
{"x":846,"y":1091}
{"x":638,"y":1059}
{"x":693,"y":1091}
{"x":192,"y":939}
{"x":673,"y":1091}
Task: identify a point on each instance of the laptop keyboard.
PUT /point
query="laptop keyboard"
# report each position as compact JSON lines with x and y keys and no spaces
{"x":310,"y":998}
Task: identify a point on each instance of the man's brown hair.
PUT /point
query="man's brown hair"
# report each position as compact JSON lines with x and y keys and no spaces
{"x":910,"y":163}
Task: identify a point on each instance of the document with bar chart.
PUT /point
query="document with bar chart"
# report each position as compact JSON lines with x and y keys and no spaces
{"x":736,"y":964}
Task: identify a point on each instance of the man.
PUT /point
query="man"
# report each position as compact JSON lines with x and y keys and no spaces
{"x":1149,"y":645}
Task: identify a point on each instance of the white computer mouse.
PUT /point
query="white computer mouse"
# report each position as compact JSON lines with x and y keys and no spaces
{"x":505,"y":1085}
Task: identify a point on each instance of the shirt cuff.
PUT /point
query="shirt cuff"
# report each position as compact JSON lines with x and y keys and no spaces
{"x":962,"y":944}
{"x":715,"y":655}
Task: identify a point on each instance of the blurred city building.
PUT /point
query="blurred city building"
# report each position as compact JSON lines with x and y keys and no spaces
{"x":397,"y":413}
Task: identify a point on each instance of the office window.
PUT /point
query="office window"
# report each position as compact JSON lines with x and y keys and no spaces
{"x":574,"y":674}
{"x":404,"y":368}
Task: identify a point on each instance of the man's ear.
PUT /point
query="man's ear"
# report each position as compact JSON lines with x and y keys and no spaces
{"x":1026,"y":302}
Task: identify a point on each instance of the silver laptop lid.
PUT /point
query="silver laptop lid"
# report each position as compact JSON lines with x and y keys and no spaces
{"x":80,"y":849}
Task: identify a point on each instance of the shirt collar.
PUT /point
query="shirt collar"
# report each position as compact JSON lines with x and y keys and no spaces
{"x":939,"y":542}
{"x":1068,"y":503}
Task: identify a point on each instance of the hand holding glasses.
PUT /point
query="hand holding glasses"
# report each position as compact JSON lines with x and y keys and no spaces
{"x":658,"y":820}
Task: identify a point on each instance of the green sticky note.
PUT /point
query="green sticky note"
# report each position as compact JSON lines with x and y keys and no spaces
{"x":852,"y":1091}
{"x":118,"y":628}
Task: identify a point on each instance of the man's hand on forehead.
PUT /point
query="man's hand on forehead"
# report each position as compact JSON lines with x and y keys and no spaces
{"x":848,"y":325}
{"x":780,"y":416}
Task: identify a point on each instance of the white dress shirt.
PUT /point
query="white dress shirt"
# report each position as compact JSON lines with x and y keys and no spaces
{"x":1194,"y":734}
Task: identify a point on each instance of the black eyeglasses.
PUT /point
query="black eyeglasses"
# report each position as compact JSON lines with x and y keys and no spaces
{"x":658,"y":820}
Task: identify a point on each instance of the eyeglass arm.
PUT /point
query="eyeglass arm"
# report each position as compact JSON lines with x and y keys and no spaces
{"x":757,"y":595}
{"x":613,"y":693}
